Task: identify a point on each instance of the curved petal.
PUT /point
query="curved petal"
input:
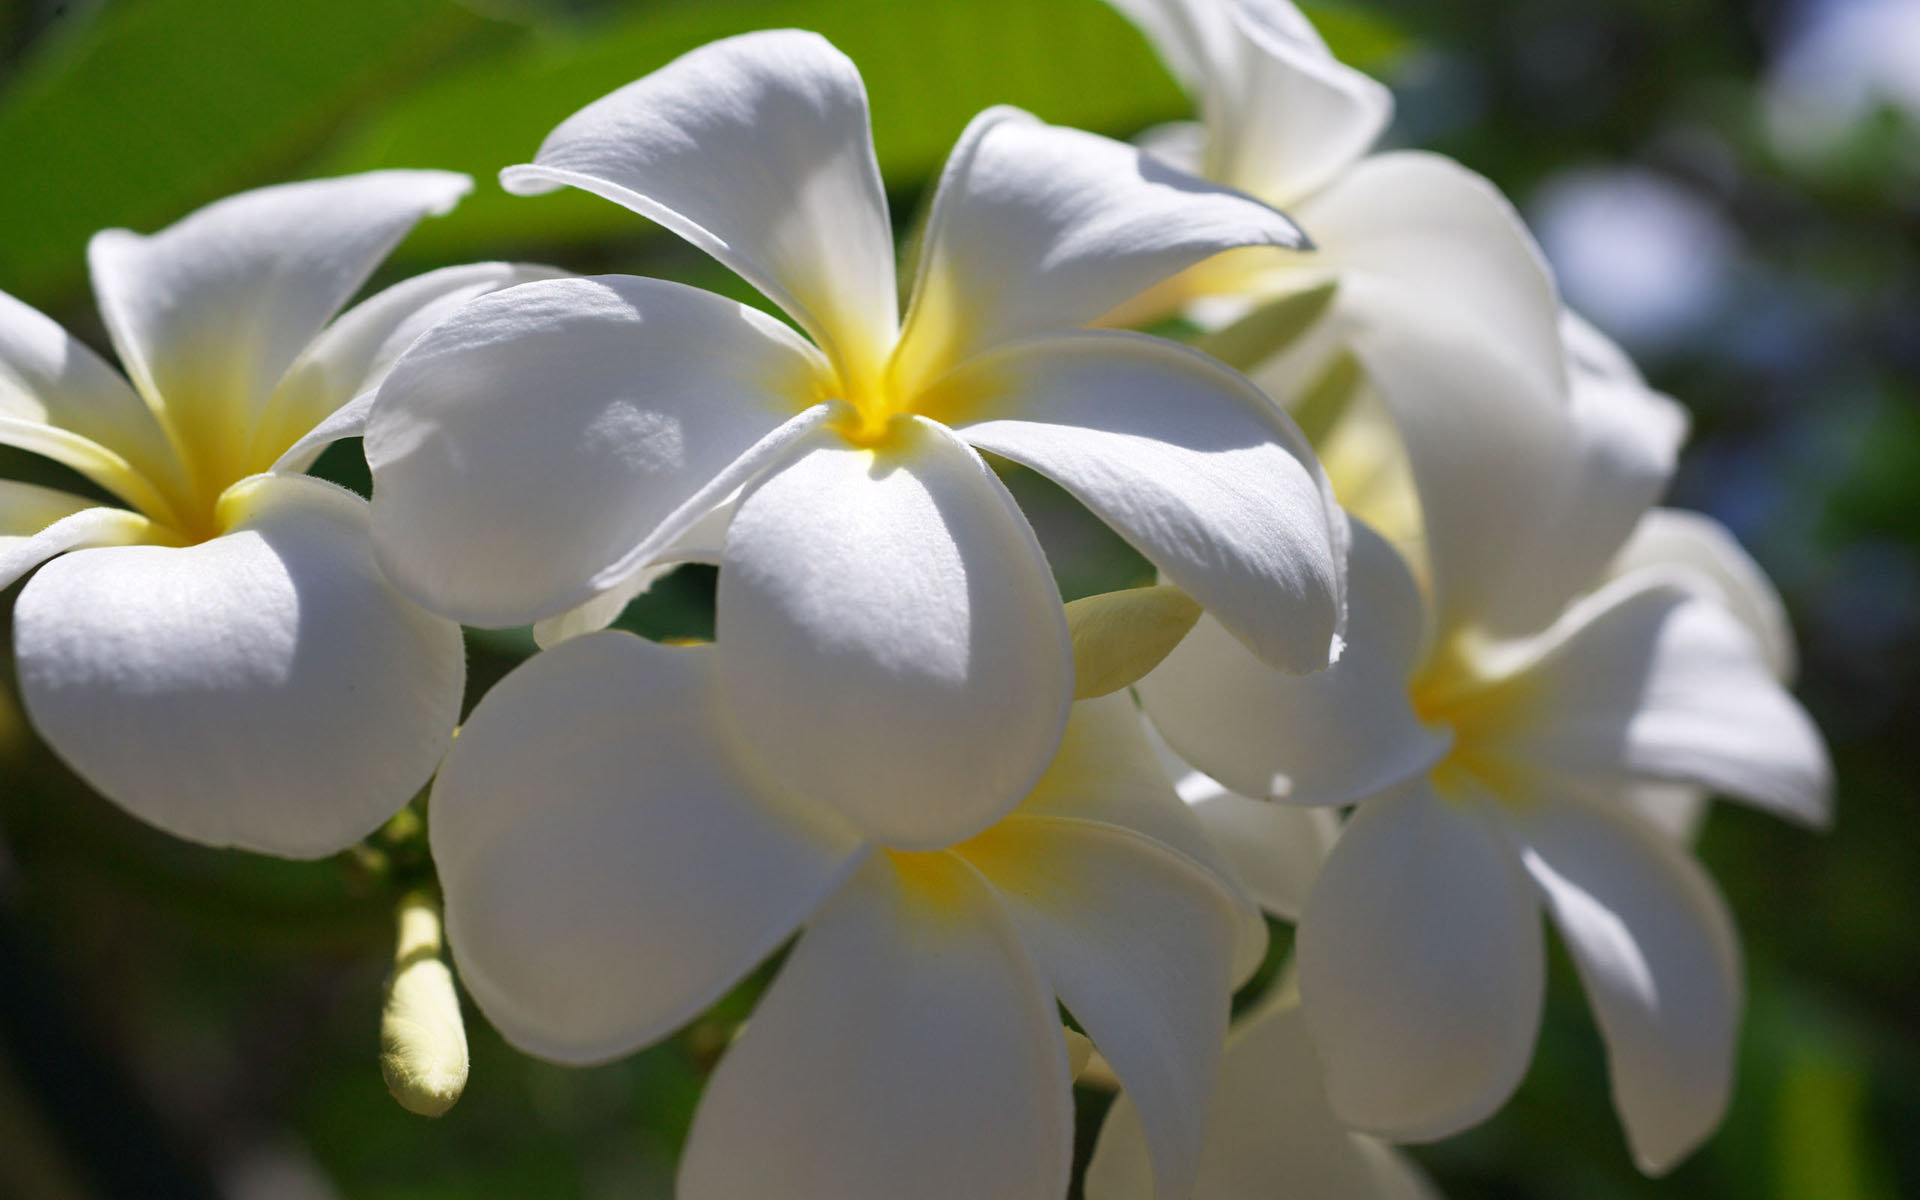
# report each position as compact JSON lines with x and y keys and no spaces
{"x":1332,"y":737}
{"x":891,"y":642}
{"x":1626,"y":438}
{"x":266,"y":689}
{"x":610,"y":868}
{"x":757,"y":150}
{"x":1656,"y":950}
{"x":1670,"y":537}
{"x":1297,"y":118}
{"x":541,"y":443}
{"x":1038,"y":227}
{"x":59,"y":399}
{"x":1186,"y":460}
{"x":1270,"y":1132}
{"x":907,"y":1048}
{"x":1421,"y":971}
{"x":1452,"y":246}
{"x":1138,"y":944}
{"x":1645,"y":682}
{"x":701,"y":543}
{"x":1276,"y":849}
{"x":351,"y":356}
{"x":209,"y":313}
{"x":1107,"y":772}
{"x":82,"y":524}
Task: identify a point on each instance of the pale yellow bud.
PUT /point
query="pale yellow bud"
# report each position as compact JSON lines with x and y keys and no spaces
{"x":423,"y":1043}
{"x":1120,"y":636}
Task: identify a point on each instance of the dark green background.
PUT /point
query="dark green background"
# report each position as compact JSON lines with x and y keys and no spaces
{"x":180,"y":1022}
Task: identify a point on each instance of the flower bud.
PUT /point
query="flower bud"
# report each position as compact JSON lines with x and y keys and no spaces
{"x":423,"y":1044}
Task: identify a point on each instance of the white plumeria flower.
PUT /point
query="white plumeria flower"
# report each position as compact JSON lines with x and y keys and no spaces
{"x":1502,"y":732}
{"x":616,"y":855}
{"x":222,"y":656}
{"x":889,"y":632}
{"x":1422,"y":271}
{"x":1270,"y":1131}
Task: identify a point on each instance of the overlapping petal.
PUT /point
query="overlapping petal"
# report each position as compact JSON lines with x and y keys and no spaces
{"x":757,"y":150}
{"x":210,"y":689}
{"x":1331,"y":737}
{"x":1269,"y":1132}
{"x":1421,"y":971}
{"x":1138,"y":944}
{"x":1625,"y":439}
{"x":1644,"y":681}
{"x":76,"y":523}
{"x":1038,"y":227}
{"x":351,"y":356}
{"x":1656,"y":950}
{"x":546,"y":440}
{"x":609,"y":869}
{"x":890,"y":639}
{"x":909,"y":1047}
{"x":209,"y":313}
{"x":1186,"y":460}
{"x":59,"y":399}
{"x":1671,"y":537}
{"x":1107,"y":772}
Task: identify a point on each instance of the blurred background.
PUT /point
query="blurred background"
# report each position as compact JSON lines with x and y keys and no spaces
{"x":1731,"y":189}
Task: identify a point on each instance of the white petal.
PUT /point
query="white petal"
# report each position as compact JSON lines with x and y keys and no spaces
{"x":1454,"y":248}
{"x":1296,"y":118}
{"x":1656,"y":949}
{"x":1037,"y":228}
{"x":1107,"y":771}
{"x":757,"y":150}
{"x":1625,"y":440}
{"x":1420,"y":967}
{"x":1270,"y":1132}
{"x":81,"y":525}
{"x":609,"y":867}
{"x":701,"y":543}
{"x":350,"y":358}
{"x":59,"y":399}
{"x":546,"y":440}
{"x":891,"y":642}
{"x":1138,"y":944}
{"x":1332,"y":737}
{"x":1670,"y":537}
{"x":266,"y":689}
{"x":1644,"y":681}
{"x":210,"y":312}
{"x":907,"y":1048}
{"x":1186,"y":460}
{"x":1276,"y":849}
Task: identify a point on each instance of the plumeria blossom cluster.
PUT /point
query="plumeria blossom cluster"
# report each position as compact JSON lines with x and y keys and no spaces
{"x":1424,"y":661}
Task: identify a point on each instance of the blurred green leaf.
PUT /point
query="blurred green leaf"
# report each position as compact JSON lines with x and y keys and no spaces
{"x":929,"y":67}
{"x":149,"y":109}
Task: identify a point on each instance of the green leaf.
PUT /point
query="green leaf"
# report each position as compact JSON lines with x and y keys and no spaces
{"x":150,"y":109}
{"x":929,"y":66}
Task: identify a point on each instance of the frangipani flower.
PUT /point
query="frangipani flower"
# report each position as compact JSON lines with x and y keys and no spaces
{"x":1270,"y":1132}
{"x":615,"y":855}
{"x":889,"y":633}
{"x":221,"y":656}
{"x":1502,"y":732}
{"x":1422,"y":272}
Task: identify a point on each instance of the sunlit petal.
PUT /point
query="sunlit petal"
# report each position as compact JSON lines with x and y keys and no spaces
{"x":609,"y":869}
{"x":891,"y":642}
{"x":1186,"y":460}
{"x":546,"y":440}
{"x":266,"y":689}
{"x":755,"y":149}
{"x":908,"y":1047}
{"x":1670,"y":537}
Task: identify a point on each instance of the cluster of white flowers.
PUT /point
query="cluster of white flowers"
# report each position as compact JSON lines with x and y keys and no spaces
{"x":1424,"y":661}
